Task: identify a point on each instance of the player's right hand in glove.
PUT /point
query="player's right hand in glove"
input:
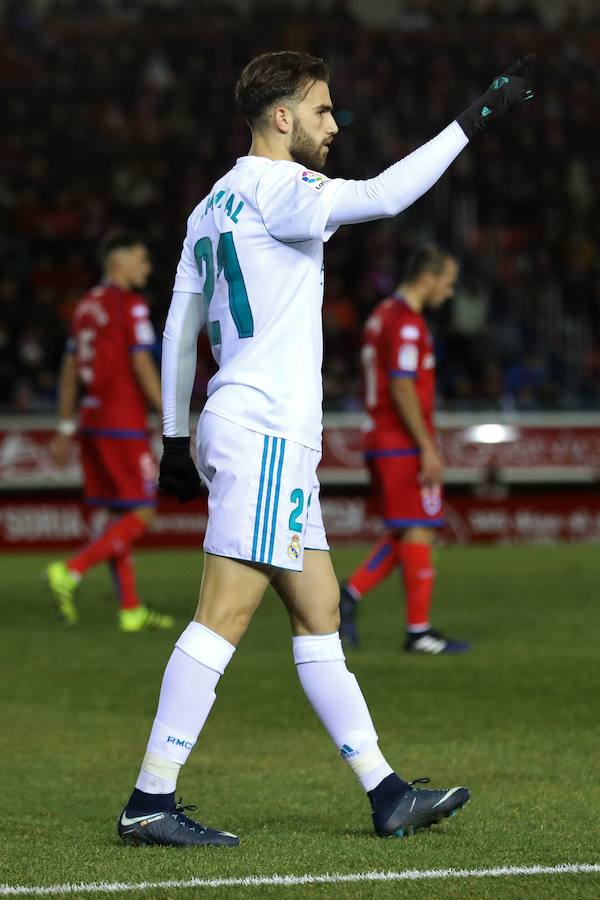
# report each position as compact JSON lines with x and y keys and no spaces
{"x":506,"y":93}
{"x":178,"y":475}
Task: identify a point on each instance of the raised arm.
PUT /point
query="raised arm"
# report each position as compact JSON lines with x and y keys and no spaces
{"x":398,"y":187}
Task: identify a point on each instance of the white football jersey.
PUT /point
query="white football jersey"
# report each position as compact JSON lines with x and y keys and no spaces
{"x":254,"y":250}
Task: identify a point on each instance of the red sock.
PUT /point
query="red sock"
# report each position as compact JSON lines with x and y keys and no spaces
{"x":124,"y":576}
{"x":418,"y":576}
{"x":373,"y":570}
{"x":117,"y":538}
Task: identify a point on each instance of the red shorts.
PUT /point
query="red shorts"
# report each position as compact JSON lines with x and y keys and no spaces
{"x":398,"y":496}
{"x":118,"y":472}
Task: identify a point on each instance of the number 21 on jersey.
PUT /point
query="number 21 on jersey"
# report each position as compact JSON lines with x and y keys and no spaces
{"x":228,"y":264}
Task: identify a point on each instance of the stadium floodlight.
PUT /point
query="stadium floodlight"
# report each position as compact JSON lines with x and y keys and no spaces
{"x":491,"y":433}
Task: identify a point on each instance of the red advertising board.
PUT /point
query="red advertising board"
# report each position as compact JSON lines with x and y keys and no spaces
{"x":46,"y":521}
{"x":532,"y":448}
{"x":40,"y":506}
{"x":527,"y":448}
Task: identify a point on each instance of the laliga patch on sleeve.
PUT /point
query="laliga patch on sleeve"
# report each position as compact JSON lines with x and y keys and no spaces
{"x":144,"y":332}
{"x":408,"y":358}
{"x":409,"y":332}
{"x":313,"y":180}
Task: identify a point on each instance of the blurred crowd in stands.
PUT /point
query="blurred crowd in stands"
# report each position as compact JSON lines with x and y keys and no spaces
{"x":120,"y":113}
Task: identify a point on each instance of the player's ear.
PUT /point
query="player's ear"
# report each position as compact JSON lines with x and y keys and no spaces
{"x":282,"y":118}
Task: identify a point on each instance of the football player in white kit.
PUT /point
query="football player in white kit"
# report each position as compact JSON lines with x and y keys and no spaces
{"x":251,"y":272}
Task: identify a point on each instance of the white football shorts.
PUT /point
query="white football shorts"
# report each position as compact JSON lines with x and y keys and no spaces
{"x":263,"y":494}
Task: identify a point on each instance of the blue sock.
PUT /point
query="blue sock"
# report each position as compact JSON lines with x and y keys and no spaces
{"x":387,"y":791}
{"x":140,"y":803}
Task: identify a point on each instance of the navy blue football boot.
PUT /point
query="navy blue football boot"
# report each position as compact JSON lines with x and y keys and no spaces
{"x":418,"y":809}
{"x":171,"y":828}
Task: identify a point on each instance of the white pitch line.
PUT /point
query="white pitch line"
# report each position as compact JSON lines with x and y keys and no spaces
{"x":113,"y":887}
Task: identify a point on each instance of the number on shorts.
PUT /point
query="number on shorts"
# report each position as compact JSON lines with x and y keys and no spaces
{"x":296,"y":497}
{"x":228,"y":263}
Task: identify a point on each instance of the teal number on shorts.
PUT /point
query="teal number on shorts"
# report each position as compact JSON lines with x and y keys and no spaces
{"x":228,"y":263}
{"x":297,"y":497}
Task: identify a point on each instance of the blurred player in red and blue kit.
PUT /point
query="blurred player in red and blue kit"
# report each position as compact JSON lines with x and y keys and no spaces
{"x":108,"y":371}
{"x":401,"y":452}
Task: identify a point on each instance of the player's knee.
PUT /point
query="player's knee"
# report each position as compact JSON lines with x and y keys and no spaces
{"x":322,"y":619}
{"x":230,"y":621}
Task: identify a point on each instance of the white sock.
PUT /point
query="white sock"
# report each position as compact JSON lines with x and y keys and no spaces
{"x":337,"y":699}
{"x":186,"y":697}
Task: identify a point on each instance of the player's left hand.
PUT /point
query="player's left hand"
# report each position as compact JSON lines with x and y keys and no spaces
{"x":507,"y":92}
{"x":178,"y":475}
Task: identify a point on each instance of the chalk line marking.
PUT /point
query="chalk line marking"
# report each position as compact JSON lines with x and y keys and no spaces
{"x":113,"y":887}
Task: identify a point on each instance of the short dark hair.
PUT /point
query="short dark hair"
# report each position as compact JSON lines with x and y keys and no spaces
{"x":425,"y":258}
{"x":117,"y":240}
{"x":279,"y":75}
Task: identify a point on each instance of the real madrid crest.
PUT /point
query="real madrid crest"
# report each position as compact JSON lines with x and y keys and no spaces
{"x":294,"y":547}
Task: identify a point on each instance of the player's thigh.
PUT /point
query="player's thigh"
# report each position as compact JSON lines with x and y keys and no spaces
{"x":129,"y":471}
{"x":97,"y":483}
{"x":230,"y":594}
{"x":405,"y":502}
{"x":311,"y":596}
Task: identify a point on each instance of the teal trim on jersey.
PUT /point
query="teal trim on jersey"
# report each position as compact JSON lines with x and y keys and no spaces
{"x":263,"y":546}
{"x":297,"y":497}
{"x":261,"y":484}
{"x":276,"y":500}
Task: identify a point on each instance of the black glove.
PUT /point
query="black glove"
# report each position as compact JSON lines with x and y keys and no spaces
{"x":178,"y":475}
{"x":507,"y":92}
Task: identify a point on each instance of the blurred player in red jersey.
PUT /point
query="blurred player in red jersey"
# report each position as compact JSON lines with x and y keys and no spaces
{"x":108,"y":361}
{"x":404,"y":461}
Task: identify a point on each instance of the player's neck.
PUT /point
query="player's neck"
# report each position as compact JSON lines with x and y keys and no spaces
{"x":412,"y":296}
{"x":262,"y":146}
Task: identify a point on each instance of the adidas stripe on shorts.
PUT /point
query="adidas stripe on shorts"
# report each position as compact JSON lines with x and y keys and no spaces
{"x":263,"y":494}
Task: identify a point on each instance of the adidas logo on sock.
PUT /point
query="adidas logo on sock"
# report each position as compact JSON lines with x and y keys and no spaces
{"x":347,"y":751}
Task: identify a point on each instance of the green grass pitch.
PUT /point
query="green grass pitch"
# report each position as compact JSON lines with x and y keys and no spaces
{"x":517,"y":720}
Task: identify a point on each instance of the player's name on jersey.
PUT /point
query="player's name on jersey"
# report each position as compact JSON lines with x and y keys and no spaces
{"x":217,"y":201}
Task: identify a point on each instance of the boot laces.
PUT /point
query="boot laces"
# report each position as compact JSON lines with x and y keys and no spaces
{"x":424,"y":780}
{"x":185,"y":820}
